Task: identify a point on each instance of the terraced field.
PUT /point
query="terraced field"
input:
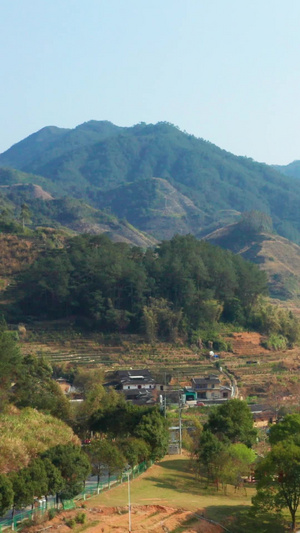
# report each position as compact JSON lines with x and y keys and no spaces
{"x":259,"y":372}
{"x":268,"y":375}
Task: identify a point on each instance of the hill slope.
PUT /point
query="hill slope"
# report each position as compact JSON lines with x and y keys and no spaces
{"x":277,"y":256}
{"x":155,"y":206}
{"x":61,"y":213}
{"x":98,"y":157}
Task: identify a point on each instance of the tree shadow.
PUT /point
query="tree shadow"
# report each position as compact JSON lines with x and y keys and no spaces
{"x":244,"y":519}
{"x":180,"y":465}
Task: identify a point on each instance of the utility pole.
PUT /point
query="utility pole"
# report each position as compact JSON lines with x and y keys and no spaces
{"x":180,"y":430}
{"x":129,"y":504}
{"x":165,"y":402}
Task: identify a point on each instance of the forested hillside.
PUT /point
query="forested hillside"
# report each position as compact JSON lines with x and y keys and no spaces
{"x":99,"y":162}
{"x":181,"y":285}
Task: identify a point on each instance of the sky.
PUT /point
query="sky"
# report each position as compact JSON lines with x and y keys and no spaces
{"x":224,"y":70}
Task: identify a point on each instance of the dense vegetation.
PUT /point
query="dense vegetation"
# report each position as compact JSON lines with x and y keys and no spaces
{"x":99,"y":157}
{"x":40,"y":455}
{"x":183,"y":284}
{"x":26,"y":433}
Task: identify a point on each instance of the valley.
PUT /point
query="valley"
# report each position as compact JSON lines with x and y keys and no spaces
{"x":147,"y":250}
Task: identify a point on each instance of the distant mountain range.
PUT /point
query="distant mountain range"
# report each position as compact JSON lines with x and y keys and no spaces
{"x":156,"y":178}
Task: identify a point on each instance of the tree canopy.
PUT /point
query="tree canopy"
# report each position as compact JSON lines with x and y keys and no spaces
{"x":232,"y":420}
{"x":278,"y":479}
{"x":181,"y":285}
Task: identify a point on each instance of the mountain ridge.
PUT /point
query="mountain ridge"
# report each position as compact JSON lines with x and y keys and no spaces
{"x":96,"y":158}
{"x":277,"y":256}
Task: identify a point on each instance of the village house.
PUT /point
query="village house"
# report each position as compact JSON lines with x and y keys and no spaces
{"x":138,"y":386}
{"x":210,"y":388}
{"x":134,"y":380}
{"x":263,"y":415}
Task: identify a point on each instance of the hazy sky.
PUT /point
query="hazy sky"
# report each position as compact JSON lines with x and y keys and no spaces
{"x":224,"y":70}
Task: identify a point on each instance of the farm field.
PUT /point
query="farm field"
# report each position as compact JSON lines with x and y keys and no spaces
{"x":263,"y":375}
{"x":266,"y":376}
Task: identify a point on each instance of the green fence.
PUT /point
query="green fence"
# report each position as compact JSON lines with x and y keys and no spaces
{"x":20,"y":520}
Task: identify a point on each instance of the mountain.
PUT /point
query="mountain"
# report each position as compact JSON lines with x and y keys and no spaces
{"x":292,"y":169}
{"x":107,"y":166}
{"x":277,"y":256}
{"x":51,"y":142}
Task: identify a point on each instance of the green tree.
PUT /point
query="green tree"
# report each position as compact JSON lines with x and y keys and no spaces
{"x":232,"y":420}
{"x":86,"y":380}
{"x":153,"y":429}
{"x":35,"y":388}
{"x":210,"y":455}
{"x":6,"y":494}
{"x":55,"y":482}
{"x":160,"y":320}
{"x":278,"y":479}
{"x":96,"y":452}
{"x":29,"y":483}
{"x":22,"y":488}
{"x":73,"y":465}
{"x":10,"y":362}
{"x":237,"y":462}
{"x":286,"y":429}
{"x":111,"y":457}
{"x":135,"y":450}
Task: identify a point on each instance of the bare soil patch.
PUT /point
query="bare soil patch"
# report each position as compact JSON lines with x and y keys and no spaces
{"x":155,"y":518}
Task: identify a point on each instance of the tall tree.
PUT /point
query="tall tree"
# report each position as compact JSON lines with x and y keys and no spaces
{"x":6,"y":494}
{"x":278,"y":479}
{"x":35,"y":388}
{"x":286,"y":429}
{"x":232,"y":420}
{"x":153,"y":428}
{"x":73,"y":465}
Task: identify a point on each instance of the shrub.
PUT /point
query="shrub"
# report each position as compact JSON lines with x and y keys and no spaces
{"x":52,"y":513}
{"x":81,"y":518}
{"x":275,"y":342}
{"x":71,"y":523}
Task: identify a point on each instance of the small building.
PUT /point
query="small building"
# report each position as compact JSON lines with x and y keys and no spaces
{"x":135,"y":380}
{"x":138,"y":386}
{"x":263,"y":415}
{"x":210,"y":388}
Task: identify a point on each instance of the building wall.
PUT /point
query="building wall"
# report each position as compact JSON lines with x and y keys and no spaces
{"x":135,"y":386}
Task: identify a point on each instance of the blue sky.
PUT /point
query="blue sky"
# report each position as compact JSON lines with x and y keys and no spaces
{"x":224,"y":70}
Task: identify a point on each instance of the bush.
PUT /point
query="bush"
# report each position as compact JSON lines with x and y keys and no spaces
{"x":28,"y":522}
{"x":71,"y":523}
{"x":275,"y":342}
{"x":81,"y":518}
{"x":52,"y":513}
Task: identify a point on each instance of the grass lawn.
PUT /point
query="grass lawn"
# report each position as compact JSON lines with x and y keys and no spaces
{"x":172,"y":483}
